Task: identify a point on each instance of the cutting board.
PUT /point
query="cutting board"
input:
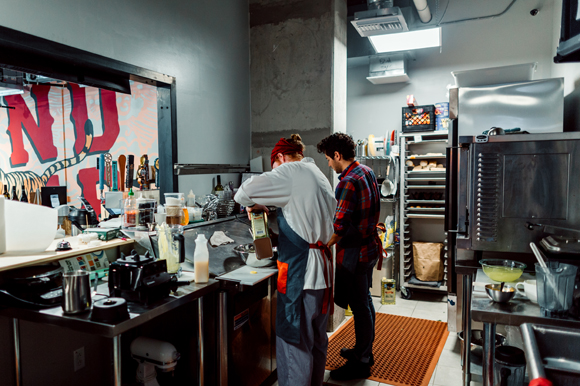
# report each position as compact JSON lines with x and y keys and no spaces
{"x":245,"y":276}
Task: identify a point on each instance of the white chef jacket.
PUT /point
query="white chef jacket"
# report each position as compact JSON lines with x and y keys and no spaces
{"x":307,"y":201}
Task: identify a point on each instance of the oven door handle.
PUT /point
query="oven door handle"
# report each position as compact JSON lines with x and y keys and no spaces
{"x":450,"y":189}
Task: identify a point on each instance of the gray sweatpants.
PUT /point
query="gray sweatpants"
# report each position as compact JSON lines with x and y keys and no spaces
{"x":303,"y":364}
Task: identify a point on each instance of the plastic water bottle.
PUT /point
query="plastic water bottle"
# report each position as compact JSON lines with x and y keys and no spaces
{"x":201,"y":260}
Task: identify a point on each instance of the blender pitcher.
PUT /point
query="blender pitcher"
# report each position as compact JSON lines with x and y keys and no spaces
{"x":171,"y":246}
{"x":555,"y":285}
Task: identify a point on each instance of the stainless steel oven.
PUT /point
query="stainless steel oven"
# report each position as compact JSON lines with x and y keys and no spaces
{"x":507,"y":181}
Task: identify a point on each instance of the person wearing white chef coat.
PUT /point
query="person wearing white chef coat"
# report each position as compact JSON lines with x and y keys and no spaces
{"x":306,"y":206}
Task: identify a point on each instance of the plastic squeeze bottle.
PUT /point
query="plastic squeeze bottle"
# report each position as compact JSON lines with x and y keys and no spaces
{"x":201,"y":260}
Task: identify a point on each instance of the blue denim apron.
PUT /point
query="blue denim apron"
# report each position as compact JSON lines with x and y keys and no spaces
{"x":293,"y":253}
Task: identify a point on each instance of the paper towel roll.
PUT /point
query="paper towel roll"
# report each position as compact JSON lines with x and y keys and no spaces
{"x":2,"y":227}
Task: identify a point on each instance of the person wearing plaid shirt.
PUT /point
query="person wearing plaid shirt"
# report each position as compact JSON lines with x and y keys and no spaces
{"x":358,"y":249}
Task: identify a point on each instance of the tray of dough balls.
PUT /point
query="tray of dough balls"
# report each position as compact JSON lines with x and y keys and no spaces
{"x":424,"y":165}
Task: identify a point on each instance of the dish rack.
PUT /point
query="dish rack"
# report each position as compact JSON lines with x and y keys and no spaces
{"x":422,"y":201}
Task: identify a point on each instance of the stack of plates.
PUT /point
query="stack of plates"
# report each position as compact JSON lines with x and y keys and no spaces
{"x":225,"y":208}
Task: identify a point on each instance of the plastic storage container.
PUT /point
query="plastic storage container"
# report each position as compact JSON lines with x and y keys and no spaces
{"x":555,"y":285}
{"x":175,"y":209}
{"x":29,"y":228}
{"x":201,"y":260}
{"x":418,"y":118}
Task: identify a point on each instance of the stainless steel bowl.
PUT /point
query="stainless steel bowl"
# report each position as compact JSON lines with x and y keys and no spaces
{"x":500,"y":296}
{"x":477,"y":338}
{"x":248,"y":255}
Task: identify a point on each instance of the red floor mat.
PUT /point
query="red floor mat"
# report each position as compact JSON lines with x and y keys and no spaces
{"x":406,"y":350}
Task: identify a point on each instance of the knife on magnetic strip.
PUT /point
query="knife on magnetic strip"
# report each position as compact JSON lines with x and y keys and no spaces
{"x":122,"y":160}
{"x":130,"y":172}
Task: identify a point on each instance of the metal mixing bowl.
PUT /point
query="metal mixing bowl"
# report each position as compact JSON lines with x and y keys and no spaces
{"x":499,"y":296}
{"x":247,"y":253}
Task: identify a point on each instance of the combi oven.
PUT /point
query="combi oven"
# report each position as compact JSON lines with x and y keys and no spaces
{"x":507,"y":181}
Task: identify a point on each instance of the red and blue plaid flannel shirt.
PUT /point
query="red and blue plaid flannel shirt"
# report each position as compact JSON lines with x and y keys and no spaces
{"x":359,"y":204}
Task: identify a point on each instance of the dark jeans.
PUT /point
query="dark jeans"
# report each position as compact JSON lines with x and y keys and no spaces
{"x":363,"y":311}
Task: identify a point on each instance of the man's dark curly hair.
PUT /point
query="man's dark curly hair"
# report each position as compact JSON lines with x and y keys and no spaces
{"x":340,"y":142}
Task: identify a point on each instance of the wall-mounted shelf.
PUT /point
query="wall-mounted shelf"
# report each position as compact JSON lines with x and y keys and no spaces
{"x":427,"y":141}
{"x":187,"y":169}
{"x":426,"y":202}
{"x":425,"y":186}
{"x":416,"y":179}
{"x":426,"y":209}
{"x":426,"y":156}
{"x":364,"y":157}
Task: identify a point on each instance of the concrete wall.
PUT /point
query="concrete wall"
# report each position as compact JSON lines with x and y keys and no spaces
{"x":296,"y":79}
{"x":203,"y":43}
{"x":513,"y":38}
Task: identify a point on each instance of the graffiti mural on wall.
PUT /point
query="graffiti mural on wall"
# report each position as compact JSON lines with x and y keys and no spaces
{"x":54,"y":135}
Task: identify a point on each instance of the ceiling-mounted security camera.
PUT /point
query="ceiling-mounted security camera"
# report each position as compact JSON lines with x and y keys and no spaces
{"x":534,"y":12}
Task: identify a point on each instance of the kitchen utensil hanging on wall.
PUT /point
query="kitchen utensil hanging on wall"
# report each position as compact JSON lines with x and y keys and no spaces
{"x":108,"y":159}
{"x":130,"y":171}
{"x":156,"y":167}
{"x":122,"y":160}
{"x":114,"y":176}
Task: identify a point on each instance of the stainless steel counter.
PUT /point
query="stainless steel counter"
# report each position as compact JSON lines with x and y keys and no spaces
{"x":222,"y":259}
{"x":138,"y":313}
{"x":514,"y":313}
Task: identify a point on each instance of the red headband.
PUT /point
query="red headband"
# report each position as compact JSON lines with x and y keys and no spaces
{"x":284,"y":147}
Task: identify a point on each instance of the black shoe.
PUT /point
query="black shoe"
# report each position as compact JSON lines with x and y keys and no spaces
{"x":348,"y":354}
{"x":351,"y":370}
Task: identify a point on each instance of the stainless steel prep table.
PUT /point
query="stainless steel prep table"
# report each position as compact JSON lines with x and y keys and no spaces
{"x":514,"y":313}
{"x":222,"y":259}
{"x":247,"y":309}
{"x":139,"y":315}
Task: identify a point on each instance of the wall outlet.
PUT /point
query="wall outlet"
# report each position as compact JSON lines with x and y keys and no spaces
{"x":79,"y":358}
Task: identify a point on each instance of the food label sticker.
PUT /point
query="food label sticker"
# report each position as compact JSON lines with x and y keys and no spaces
{"x":417,"y":138}
{"x":54,"y":200}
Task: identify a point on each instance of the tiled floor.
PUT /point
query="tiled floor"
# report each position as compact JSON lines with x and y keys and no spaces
{"x":424,"y":306}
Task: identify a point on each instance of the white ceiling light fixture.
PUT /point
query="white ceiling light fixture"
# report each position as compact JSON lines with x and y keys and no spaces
{"x":10,"y":91}
{"x":406,"y":41}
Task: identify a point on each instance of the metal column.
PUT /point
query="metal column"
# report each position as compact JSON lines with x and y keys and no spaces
{"x":200,"y":340}
{"x":17,"y":359}
{"x":488,"y":353}
{"x":466,"y":321}
{"x":117,"y":360}
{"x":223,"y":338}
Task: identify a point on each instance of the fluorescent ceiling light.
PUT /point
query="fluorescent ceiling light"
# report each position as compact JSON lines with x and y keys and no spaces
{"x":406,"y":41}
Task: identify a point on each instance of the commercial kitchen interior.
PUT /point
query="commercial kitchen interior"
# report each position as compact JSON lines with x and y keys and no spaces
{"x":248,"y":72}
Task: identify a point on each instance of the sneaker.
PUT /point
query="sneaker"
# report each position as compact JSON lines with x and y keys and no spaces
{"x":351,"y":370}
{"x":348,"y":354}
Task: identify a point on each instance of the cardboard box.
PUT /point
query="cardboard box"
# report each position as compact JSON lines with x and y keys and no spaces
{"x":105,"y":234}
{"x":442,"y":116}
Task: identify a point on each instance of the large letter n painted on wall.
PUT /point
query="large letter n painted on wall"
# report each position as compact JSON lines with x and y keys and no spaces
{"x":21,"y":120}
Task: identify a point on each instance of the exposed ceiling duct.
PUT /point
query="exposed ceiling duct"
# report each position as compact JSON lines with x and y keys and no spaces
{"x":423,"y":10}
{"x":380,"y":19}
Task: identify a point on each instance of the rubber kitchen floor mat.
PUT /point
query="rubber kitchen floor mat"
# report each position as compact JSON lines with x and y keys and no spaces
{"x":406,"y":350}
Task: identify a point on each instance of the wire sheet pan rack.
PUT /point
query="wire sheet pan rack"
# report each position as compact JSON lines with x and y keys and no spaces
{"x":422,"y":202}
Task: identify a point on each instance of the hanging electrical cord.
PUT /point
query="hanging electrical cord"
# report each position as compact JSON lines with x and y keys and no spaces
{"x":475,"y":18}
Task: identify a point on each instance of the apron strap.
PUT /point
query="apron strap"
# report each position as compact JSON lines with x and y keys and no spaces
{"x":328,"y":276}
